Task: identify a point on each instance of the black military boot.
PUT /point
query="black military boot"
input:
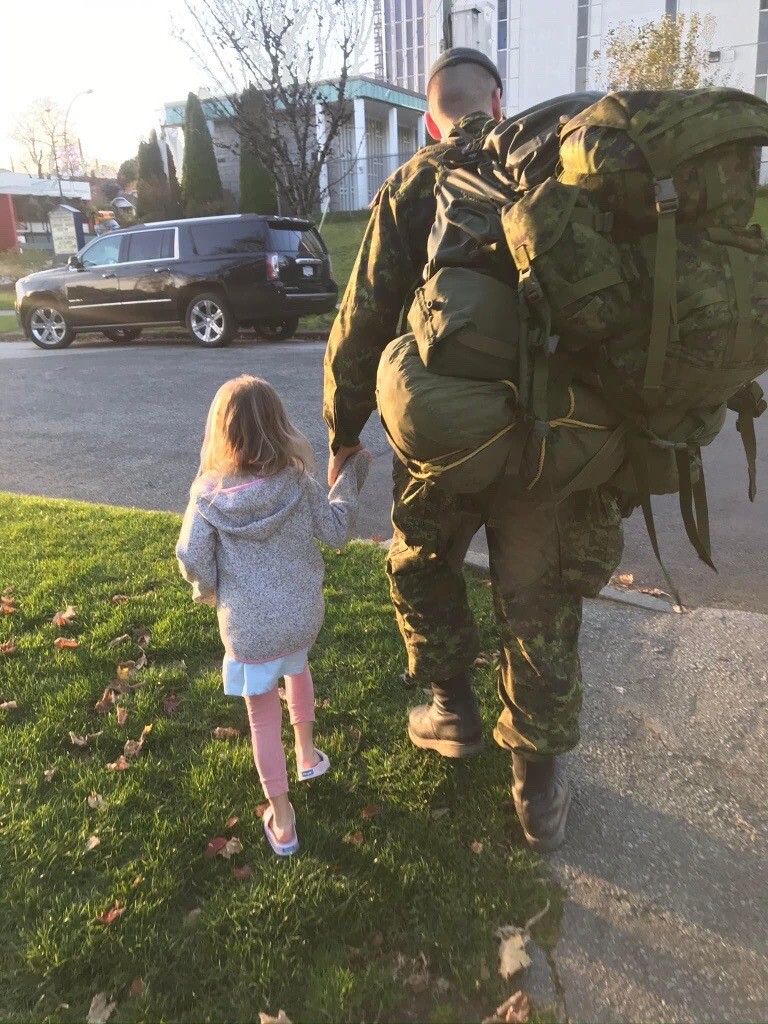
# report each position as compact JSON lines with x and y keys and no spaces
{"x":451,"y":724}
{"x":542,"y":797}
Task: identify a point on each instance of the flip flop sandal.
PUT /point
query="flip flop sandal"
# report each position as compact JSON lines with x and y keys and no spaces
{"x":322,"y":766}
{"x":281,"y":849}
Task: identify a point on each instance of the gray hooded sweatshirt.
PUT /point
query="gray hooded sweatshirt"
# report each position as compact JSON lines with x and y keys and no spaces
{"x":250,"y":550}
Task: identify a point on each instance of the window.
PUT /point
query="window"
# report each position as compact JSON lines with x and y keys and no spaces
{"x":582,"y":45}
{"x":301,"y":241}
{"x":151,"y":245}
{"x":225,"y":238}
{"x":761,"y":64}
{"x":104,"y":252}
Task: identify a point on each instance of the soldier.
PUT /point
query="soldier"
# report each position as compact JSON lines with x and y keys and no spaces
{"x":542,"y":563}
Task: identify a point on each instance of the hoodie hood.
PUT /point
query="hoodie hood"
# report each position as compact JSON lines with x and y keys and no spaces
{"x":254,"y":507}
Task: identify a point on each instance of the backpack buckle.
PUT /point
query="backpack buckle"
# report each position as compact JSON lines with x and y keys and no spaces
{"x":529,"y":286}
{"x":667,"y":199}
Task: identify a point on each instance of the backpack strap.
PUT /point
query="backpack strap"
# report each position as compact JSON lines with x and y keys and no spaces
{"x":694,"y":496}
{"x":748,"y":403}
{"x":636,"y":449}
{"x":741,"y":275}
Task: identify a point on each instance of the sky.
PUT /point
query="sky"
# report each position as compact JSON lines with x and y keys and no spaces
{"x":125,"y":52}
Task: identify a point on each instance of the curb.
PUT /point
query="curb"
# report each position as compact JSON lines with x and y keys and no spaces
{"x":316,"y":336}
{"x":632,"y":598}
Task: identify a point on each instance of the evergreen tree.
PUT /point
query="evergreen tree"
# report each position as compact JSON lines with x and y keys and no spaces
{"x":257,"y":186}
{"x":200,"y":182}
{"x":175,"y":205}
{"x":153,"y":198}
{"x":128,"y":171}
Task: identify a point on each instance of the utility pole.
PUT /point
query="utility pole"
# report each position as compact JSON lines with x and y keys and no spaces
{"x":447,"y":40}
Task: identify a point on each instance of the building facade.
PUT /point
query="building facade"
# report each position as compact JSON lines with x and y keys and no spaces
{"x":385,"y":128}
{"x":546,"y":48}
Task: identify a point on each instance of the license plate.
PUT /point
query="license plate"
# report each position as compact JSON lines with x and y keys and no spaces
{"x":308,"y":271}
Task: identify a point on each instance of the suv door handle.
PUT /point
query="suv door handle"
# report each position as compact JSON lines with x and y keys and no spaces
{"x":161,"y":270}
{"x":105,"y":276}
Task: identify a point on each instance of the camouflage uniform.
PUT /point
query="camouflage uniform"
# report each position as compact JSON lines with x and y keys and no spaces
{"x":542,"y":564}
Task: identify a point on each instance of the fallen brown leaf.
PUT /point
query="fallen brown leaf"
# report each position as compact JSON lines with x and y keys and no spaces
{"x":515,"y":1010}
{"x":120,"y":599}
{"x":370,"y":811}
{"x":8,"y":705}
{"x":119,"y":640}
{"x":83,"y":741}
{"x":127,"y":669}
{"x":108,"y":916}
{"x":335,"y":869}
{"x":101,"y":1009}
{"x":171,"y":704}
{"x":64,"y":618}
{"x":231,"y":822}
{"x":439,"y":812}
{"x":65,"y":643}
{"x":215,"y":846}
{"x":122,"y":715}
{"x":512,"y":953}
{"x":281,"y":1018}
{"x":230,"y":848}
{"x":226,"y":732}
{"x":7,"y":606}
{"x":137,"y":881}
{"x":192,"y":916}
{"x":482,"y":659}
{"x":624,"y":579}
{"x":142,"y":636}
{"x":49,"y":773}
{"x":137,"y":989}
{"x":133,"y":748}
{"x":8,"y":647}
{"x":355,"y":839}
{"x":119,"y":765}
{"x":261,"y":809}
{"x":7,"y":592}
{"x":242,"y":874}
{"x":105,"y":703}
{"x":475,"y":846}
{"x":96,"y":802}
{"x":91,"y":843}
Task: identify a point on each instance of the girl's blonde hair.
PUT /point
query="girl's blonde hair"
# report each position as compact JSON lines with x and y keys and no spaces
{"x":248,"y":431}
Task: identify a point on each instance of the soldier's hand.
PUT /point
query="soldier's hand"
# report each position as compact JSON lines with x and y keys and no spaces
{"x":336,"y":462}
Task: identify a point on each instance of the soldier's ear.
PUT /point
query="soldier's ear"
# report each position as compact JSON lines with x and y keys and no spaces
{"x":432,"y":128}
{"x":496,"y":104}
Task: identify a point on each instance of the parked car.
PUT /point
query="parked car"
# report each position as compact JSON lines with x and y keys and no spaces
{"x":212,"y":274}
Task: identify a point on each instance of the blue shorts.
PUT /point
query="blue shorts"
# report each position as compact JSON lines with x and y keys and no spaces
{"x":243,"y":679}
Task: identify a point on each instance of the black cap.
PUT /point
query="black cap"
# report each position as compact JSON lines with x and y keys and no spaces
{"x":465,"y":55}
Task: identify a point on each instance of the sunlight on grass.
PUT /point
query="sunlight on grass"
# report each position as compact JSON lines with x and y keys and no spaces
{"x":332,"y":934}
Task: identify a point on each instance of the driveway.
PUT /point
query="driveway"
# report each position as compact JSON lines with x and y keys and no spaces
{"x":123,"y":425}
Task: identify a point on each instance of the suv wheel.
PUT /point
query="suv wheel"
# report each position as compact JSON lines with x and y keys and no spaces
{"x":122,"y":333}
{"x":277,"y":330}
{"x":47,"y":327}
{"x":209,"y":321}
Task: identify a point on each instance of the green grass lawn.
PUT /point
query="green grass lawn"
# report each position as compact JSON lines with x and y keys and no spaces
{"x":343,"y":237}
{"x":339,"y":933}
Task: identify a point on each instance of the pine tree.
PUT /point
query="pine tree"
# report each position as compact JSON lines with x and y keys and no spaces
{"x":175,"y":205}
{"x":200,"y":185}
{"x":153,"y":197}
{"x":257,"y":186}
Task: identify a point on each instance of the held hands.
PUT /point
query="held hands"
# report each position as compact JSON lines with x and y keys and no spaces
{"x":336,"y":462}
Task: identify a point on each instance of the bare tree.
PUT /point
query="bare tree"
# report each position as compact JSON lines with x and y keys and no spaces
{"x":665,"y":54}
{"x":281,"y":70}
{"x":39,"y":131}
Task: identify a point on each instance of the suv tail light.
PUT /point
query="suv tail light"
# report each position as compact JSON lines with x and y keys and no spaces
{"x":273,"y":266}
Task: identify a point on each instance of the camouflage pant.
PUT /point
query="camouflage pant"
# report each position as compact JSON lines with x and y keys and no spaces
{"x":542,"y":567}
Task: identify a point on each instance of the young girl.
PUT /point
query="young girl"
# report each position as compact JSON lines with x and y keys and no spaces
{"x":247,"y":547}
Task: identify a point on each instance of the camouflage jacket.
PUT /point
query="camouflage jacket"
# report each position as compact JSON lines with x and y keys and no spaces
{"x":388,"y":267}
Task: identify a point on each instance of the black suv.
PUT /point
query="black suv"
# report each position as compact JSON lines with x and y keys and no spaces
{"x":213,"y":274}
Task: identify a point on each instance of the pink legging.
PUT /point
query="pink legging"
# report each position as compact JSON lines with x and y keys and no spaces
{"x":266,"y":717}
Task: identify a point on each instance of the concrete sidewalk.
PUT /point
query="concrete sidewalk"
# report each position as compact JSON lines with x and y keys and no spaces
{"x":665,"y":869}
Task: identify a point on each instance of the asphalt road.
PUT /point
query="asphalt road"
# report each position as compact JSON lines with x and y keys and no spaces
{"x":123,"y":425}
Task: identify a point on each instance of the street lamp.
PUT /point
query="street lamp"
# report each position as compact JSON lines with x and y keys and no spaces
{"x":86,"y":92}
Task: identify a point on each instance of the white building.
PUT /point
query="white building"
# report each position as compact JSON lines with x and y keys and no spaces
{"x":385,"y":128}
{"x":546,"y":48}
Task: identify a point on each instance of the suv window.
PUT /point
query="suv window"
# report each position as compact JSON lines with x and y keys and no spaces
{"x":104,"y":252}
{"x":303,"y":241}
{"x":224,"y":238}
{"x":150,"y":245}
